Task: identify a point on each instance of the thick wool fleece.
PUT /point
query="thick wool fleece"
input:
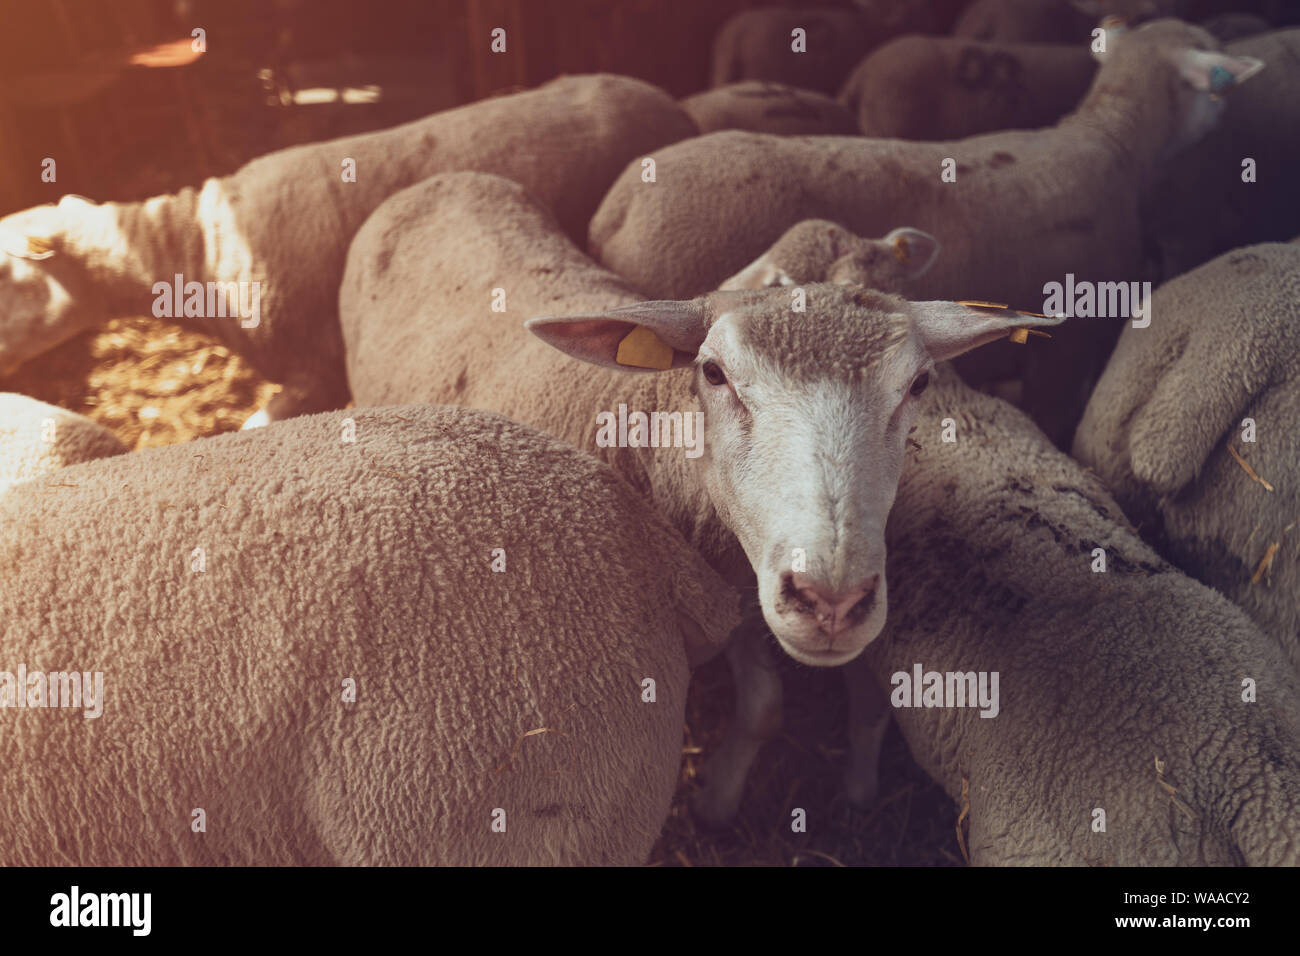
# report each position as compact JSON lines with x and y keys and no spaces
{"x":936,"y":88}
{"x":328,"y":562}
{"x":766,"y":107}
{"x":36,"y":438}
{"x":1120,"y":691}
{"x":1223,"y":346}
{"x":285,"y":219}
{"x":415,"y":307}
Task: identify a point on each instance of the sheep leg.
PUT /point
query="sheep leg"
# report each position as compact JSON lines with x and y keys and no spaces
{"x":868,"y":720}
{"x":757,"y":720}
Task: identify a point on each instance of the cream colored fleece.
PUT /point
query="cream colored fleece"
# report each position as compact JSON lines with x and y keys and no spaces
{"x":329,"y":561}
{"x":36,"y":438}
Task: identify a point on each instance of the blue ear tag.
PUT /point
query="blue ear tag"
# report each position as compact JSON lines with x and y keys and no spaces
{"x":1220,"y":79}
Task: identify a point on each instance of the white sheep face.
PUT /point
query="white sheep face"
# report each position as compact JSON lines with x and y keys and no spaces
{"x":802,"y":464}
{"x":806,"y":416}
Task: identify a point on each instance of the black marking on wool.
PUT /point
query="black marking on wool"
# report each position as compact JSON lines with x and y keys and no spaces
{"x":1098,"y":509}
{"x":1063,"y":536}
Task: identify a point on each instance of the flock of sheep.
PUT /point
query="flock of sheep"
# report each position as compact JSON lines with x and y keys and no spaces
{"x":454,"y":623}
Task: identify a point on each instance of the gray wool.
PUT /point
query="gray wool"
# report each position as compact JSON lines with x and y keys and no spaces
{"x":1120,"y":691}
{"x":1223,"y":346}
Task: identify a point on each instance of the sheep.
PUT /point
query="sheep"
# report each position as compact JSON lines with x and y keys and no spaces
{"x":1262,"y":124}
{"x":758,"y":185}
{"x":280,"y":226}
{"x":36,"y":438}
{"x":1169,"y":417}
{"x":936,"y":88}
{"x":1122,"y":692}
{"x":767,"y":107}
{"x":448,"y":640}
{"x":815,"y":452}
{"x":1022,"y":211}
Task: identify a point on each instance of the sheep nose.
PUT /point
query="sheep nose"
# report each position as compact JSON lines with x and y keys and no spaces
{"x":835,"y":611}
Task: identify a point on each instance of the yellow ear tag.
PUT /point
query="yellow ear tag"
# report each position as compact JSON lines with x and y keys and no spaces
{"x":38,"y":247}
{"x":902,"y":250}
{"x":1021,"y":335}
{"x":641,"y":348}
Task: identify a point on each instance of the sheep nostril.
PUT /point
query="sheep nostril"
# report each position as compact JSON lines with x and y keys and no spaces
{"x":858,"y":612}
{"x":835,"y":610}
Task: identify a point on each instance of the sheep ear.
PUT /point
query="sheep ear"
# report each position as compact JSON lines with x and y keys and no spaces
{"x":759,"y":274}
{"x":1212,"y":72}
{"x":947,"y":329}
{"x":641,"y":337}
{"x":35,"y":233}
{"x":914,"y":249}
{"x":21,"y":246}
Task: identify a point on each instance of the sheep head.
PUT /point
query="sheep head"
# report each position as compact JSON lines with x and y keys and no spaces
{"x":808,"y":396}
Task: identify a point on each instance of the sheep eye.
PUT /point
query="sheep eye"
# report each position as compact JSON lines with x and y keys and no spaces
{"x":713,"y":374}
{"x":919,"y":383}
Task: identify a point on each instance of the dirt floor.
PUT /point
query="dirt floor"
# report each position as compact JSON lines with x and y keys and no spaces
{"x":913,"y":823}
{"x":150,"y":382}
